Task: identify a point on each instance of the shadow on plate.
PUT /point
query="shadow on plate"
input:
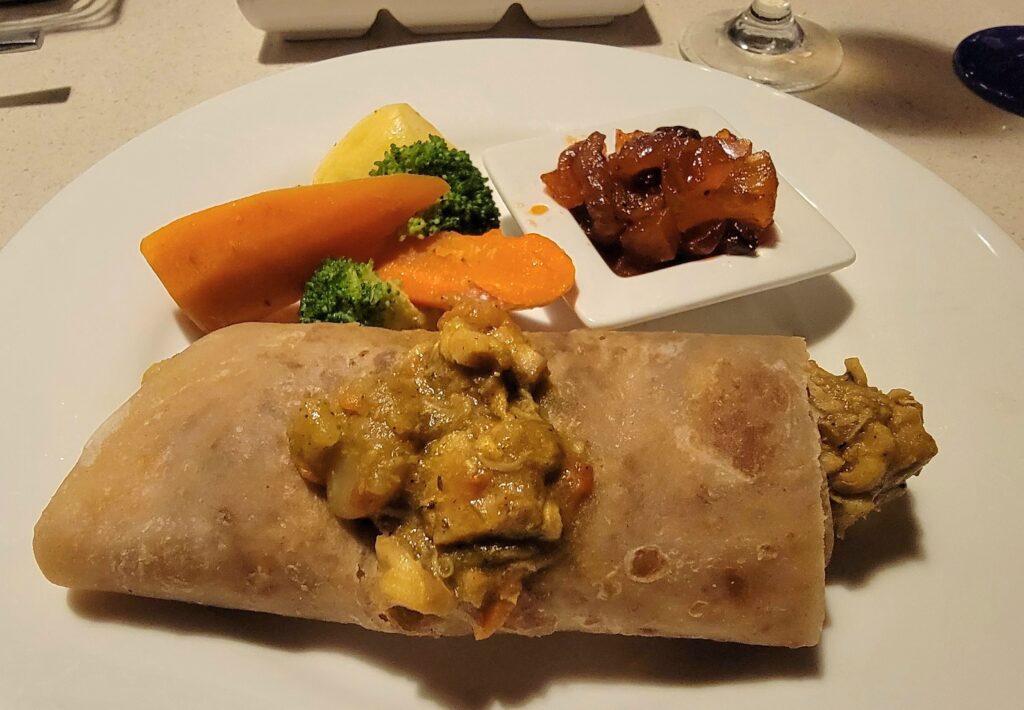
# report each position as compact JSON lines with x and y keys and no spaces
{"x":636,"y":29}
{"x":189,"y":329}
{"x":465,"y":673}
{"x":889,"y":537}
{"x":812,"y":309}
{"x":509,"y":225}
{"x":895,"y":83}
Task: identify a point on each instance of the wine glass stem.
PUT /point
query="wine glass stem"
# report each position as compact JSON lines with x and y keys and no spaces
{"x":766,"y":27}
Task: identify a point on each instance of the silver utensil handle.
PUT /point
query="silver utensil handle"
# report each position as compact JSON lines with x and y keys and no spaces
{"x":21,"y":42}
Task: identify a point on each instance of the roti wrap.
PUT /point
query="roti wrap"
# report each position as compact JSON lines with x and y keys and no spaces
{"x":706,"y":518}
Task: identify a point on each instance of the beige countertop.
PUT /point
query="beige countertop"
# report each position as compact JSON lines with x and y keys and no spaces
{"x":88,"y":91}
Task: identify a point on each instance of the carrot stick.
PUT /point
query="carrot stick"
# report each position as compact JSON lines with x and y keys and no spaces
{"x":246,"y":259}
{"x":522,"y":272}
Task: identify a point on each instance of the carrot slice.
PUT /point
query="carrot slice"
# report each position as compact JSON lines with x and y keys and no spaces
{"x":243,"y":260}
{"x":521,"y":272}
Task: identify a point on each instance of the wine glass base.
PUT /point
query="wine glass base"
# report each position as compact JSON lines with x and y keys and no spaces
{"x":812,"y":64}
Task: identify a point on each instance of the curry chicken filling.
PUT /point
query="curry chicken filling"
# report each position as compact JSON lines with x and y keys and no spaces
{"x":871,"y":441}
{"x":469,"y":486}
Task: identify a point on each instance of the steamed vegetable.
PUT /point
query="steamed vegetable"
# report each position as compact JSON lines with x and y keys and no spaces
{"x":246,"y":259}
{"x":355,"y":154}
{"x":468,"y":208}
{"x":346,"y":291}
{"x":521,"y":272}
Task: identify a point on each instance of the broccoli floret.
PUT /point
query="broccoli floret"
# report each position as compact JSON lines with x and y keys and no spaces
{"x":346,"y":291}
{"x":467,"y":208}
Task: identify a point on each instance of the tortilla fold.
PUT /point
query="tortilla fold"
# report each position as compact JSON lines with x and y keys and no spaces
{"x":706,"y":518}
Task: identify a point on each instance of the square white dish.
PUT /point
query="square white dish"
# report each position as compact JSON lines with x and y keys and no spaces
{"x":807,"y":245}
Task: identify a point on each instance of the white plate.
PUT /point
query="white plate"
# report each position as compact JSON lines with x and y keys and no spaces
{"x":932,"y":619}
{"x":807,"y":245}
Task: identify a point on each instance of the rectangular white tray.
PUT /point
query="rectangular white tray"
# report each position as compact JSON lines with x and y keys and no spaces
{"x":323,"y":19}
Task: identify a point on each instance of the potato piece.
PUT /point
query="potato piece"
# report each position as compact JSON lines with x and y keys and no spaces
{"x":366,"y":142}
{"x":406,"y":583}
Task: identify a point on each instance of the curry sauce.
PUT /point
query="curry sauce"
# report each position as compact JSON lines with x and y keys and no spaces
{"x":469,"y":486}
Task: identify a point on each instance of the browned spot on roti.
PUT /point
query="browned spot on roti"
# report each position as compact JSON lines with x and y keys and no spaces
{"x":384,"y":360}
{"x":631,"y":463}
{"x":735,"y":585}
{"x":737,"y":414}
{"x":646,"y":564}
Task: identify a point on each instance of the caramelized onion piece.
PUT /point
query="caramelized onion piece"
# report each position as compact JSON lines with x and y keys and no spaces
{"x":666,"y":196}
{"x":709,"y":184}
{"x":652,"y":238}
